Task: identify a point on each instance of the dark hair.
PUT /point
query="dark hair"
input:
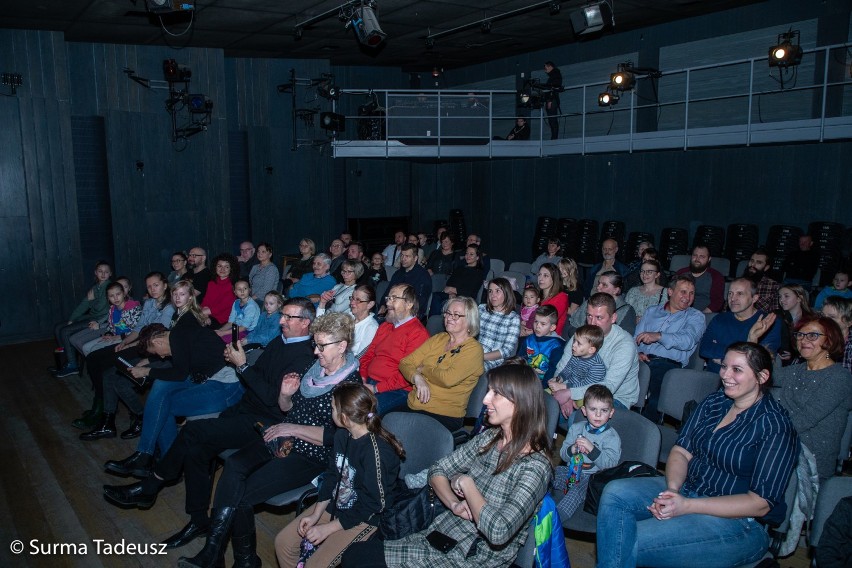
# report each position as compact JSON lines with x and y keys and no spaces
{"x":615,"y":279}
{"x":357,"y":403}
{"x":652,"y":252}
{"x":146,"y":334}
{"x":181,"y":254}
{"x":409,"y":246}
{"x":166,"y":294}
{"x":600,"y":393}
{"x":599,"y":299}
{"x":758,"y":359}
{"x":118,"y":285}
{"x":265,"y":245}
{"x":478,"y":254}
{"x":685,"y":277}
{"x":548,"y":312}
{"x":519,"y":384}
{"x":657,"y":266}
{"x":549,"y":63}
{"x":763,"y":252}
{"x":554,"y":241}
{"x":357,"y":244}
{"x":555,"y":276}
{"x":102,"y":262}
{"x":834,"y":340}
{"x":593,"y":333}
{"x":309,"y":312}
{"x":842,"y":305}
{"x":368,"y":290}
{"x":532,"y":287}
{"x":233,"y":263}
{"x":241,"y":279}
{"x":509,"y":295}
{"x":697,"y":246}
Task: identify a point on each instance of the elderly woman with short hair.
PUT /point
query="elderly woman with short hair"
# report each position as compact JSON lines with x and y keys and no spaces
{"x":445,"y":369}
{"x":337,"y":299}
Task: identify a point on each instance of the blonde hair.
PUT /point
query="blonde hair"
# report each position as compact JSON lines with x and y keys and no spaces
{"x":192,"y":305}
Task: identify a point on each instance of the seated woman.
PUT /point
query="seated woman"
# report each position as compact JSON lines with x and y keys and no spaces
{"x":442,"y":259}
{"x":840,"y":310}
{"x":571,"y":283}
{"x":552,"y":294}
{"x":244,"y":312}
{"x":492,"y":485}
{"x":178,"y":268}
{"x":337,"y":299}
{"x":794,"y":302}
{"x":264,"y":275}
{"x":198,"y":382}
{"x":157,"y":309}
{"x":220,"y":297}
{"x":361,"y":304}
{"x":357,"y":486}
{"x":553,"y":255}
{"x":376,"y":272}
{"x":268,"y":323}
{"x":93,"y":307}
{"x":611,"y":283}
{"x":252,"y":475}
{"x":650,"y":293}
{"x":818,"y":392}
{"x":499,"y":323}
{"x":445,"y":369}
{"x":465,"y":280}
{"x":725,"y":479}
{"x":121,"y":318}
{"x":307,"y":250}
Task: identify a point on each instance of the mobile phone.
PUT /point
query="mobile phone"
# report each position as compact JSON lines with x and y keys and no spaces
{"x":441,"y":542}
{"x":125,"y":362}
{"x":235,"y":335}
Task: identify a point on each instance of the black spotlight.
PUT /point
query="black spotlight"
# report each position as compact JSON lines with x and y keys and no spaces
{"x":787,"y":52}
{"x":592,"y":18}
{"x":333,"y":121}
{"x":606,"y":99}
{"x":328,"y":90}
{"x":554,"y":7}
{"x":199,"y":104}
{"x":366,"y":26}
{"x":622,"y":80}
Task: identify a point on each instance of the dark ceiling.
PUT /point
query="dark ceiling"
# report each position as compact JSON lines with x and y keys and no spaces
{"x":265,"y":28}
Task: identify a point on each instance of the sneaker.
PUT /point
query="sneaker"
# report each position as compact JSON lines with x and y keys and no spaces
{"x":67,"y":371}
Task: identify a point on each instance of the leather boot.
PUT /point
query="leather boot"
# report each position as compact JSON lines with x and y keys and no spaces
{"x":91,"y":417}
{"x":135,"y":429}
{"x":244,"y":539}
{"x":213,"y":553}
{"x":137,"y":465}
{"x":106,"y":429}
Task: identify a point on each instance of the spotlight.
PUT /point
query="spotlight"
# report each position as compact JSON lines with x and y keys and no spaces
{"x":606,"y":99}
{"x":328,"y":90}
{"x":199,"y":104}
{"x":333,"y":121}
{"x":622,"y":80}
{"x":554,"y":8}
{"x":436,"y":72}
{"x":366,"y":26}
{"x":788,"y":52}
{"x":485,"y":26}
{"x":530,"y":96}
{"x":592,"y":18}
{"x":175,"y":73}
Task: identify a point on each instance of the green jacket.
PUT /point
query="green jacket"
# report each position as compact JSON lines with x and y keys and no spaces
{"x":94,"y":309}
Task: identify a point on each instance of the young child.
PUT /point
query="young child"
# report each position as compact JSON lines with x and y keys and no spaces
{"x":121,"y":318}
{"x":839,"y":287}
{"x":269,"y":323}
{"x":589,"y":447}
{"x":245,"y":312}
{"x":376,"y":273}
{"x":544,"y":349}
{"x":358,"y":484}
{"x":583,"y":369}
{"x":532,"y":297}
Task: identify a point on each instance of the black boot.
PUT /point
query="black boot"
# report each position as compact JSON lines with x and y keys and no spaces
{"x":187,"y":534}
{"x":244,"y":539}
{"x":137,"y":465}
{"x":129,"y":496}
{"x":91,"y":417}
{"x":106,"y":429}
{"x":135,"y":427}
{"x":213,"y":553}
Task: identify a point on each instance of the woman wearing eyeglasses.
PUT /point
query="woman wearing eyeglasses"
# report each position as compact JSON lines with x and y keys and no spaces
{"x":337,"y":299}
{"x":650,"y":293}
{"x":818,"y":392}
{"x":252,"y":475}
{"x":445,"y":369}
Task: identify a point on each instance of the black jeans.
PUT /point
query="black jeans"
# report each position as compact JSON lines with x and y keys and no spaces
{"x":369,"y":554}
{"x":659,"y":368}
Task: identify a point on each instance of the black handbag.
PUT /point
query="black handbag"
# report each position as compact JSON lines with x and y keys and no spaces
{"x":624,"y":470}
{"x":413,"y":510}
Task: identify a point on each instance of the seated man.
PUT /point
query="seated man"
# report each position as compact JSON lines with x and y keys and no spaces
{"x":801,"y":265}
{"x":709,"y":282}
{"x":200,"y":441}
{"x":609,"y":248}
{"x":743,"y":323}
{"x":396,"y":338}
{"x":767,"y":288}
{"x":667,"y":336}
{"x":313,"y":284}
{"x":410,"y":272}
{"x":393,"y":251}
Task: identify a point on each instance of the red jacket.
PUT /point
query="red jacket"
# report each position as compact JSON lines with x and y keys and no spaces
{"x":389,"y":346}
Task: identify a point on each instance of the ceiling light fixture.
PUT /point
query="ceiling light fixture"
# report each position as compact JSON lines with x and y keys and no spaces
{"x":592,"y":18}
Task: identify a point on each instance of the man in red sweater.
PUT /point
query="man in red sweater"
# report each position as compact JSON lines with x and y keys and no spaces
{"x":400,"y":335}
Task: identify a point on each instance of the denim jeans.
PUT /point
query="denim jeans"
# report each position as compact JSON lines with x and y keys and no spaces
{"x":389,"y":400}
{"x":168,"y":399}
{"x":628,"y":535}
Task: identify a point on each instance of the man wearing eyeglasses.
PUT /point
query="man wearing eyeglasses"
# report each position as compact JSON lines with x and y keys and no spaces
{"x":201,"y":441}
{"x":410,"y":272}
{"x":246,"y":258}
{"x":744,"y":322}
{"x":200,"y":275}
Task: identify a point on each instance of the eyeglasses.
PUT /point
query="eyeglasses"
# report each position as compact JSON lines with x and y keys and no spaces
{"x":288,"y":317}
{"x":347,"y":272}
{"x":452,"y":316}
{"x":358,"y":300}
{"x":393,"y":298}
{"x":322,"y":346}
{"x":192,"y":254}
{"x":810,"y":335}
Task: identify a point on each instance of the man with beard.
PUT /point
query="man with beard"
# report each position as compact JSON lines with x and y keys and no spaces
{"x":200,"y":275}
{"x":767,"y":288}
{"x":609,"y":248}
{"x":743,"y":323}
{"x":709,"y":282}
{"x":410,"y":273}
{"x":393,"y":250}
{"x":355,"y":253}
{"x":396,"y":338}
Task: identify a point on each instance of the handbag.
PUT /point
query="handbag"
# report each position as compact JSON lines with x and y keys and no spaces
{"x":413,"y":510}
{"x":624,"y":470}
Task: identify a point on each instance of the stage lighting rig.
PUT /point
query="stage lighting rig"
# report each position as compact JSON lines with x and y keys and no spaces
{"x":787,"y":52}
{"x":608,"y":98}
{"x":360,"y":15}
